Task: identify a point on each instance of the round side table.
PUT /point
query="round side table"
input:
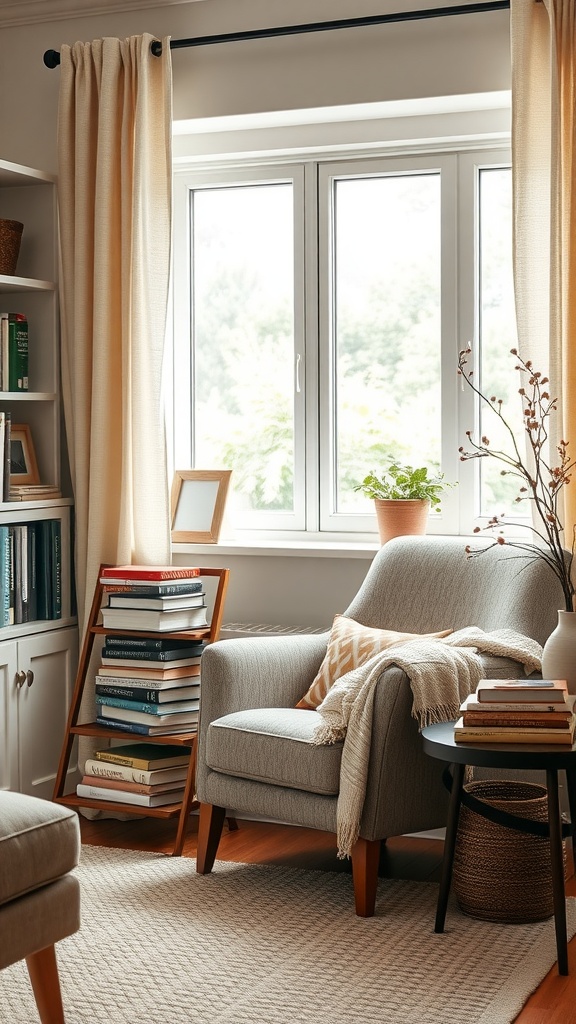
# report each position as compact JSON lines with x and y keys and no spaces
{"x":439,"y":743}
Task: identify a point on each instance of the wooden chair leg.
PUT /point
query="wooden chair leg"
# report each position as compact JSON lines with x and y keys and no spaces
{"x":43,"y":971}
{"x":210,"y":825}
{"x":365,"y":860}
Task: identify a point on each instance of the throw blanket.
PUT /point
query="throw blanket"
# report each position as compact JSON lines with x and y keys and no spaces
{"x":442,"y":673}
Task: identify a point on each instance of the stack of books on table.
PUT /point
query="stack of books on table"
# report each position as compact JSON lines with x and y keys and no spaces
{"x":160,"y":598}
{"x":530,"y":711}
{"x":149,"y":685}
{"x":139,"y":773}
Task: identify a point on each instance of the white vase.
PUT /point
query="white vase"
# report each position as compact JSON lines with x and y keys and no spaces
{"x":559,"y":654}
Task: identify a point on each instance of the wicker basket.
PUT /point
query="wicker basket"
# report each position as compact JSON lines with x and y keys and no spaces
{"x":501,"y":874}
{"x":10,"y":238}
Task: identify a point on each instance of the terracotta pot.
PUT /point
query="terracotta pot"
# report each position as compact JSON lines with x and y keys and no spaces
{"x":401,"y":517}
{"x":559,"y":654}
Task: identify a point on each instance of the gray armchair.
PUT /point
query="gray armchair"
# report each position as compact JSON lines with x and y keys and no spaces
{"x":254,"y":749}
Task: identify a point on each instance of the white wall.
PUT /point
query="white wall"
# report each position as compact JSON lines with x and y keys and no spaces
{"x":441,"y":57}
{"x":436,"y":57}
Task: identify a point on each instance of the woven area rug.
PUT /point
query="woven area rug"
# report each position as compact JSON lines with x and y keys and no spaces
{"x":250,"y":944}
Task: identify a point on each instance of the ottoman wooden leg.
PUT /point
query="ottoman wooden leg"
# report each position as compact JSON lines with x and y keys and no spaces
{"x":43,"y":971}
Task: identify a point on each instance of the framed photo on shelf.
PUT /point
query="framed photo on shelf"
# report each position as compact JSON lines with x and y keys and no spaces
{"x":23,"y":466}
{"x":197,"y":501}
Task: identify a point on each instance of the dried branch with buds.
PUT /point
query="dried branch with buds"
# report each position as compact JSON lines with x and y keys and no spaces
{"x":542,"y":483}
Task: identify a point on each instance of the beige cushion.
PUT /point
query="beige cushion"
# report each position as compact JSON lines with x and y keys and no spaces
{"x":274,"y":746}
{"x":39,"y":842}
{"x":351,"y":644}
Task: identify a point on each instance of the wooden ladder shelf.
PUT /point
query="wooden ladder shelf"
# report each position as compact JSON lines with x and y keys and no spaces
{"x":185,"y":740}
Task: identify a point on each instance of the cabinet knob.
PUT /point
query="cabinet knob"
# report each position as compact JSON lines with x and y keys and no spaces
{"x":29,"y":677}
{"x":20,"y":678}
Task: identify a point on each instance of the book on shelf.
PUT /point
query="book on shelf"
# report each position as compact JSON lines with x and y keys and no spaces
{"x":506,"y":734}
{"x":33,"y":492}
{"x":122,"y":796}
{"x":158,"y":674}
{"x":168,"y":603}
{"x":180,"y":708}
{"x":13,"y":352}
{"x":141,"y":776}
{"x":179,"y":588}
{"x":20,"y":572}
{"x":153,"y":573}
{"x":6,"y":455}
{"x":32,"y":540}
{"x":146,"y":756}
{"x":147,"y":694}
{"x":55,"y":538}
{"x":163,"y":621}
{"x":2,"y":442}
{"x":551,"y":691}
{"x":153,"y":643}
{"x":178,"y":658}
{"x":147,"y":730}
{"x":121,"y":785}
{"x":5,"y":549}
{"x":4,"y":329}
{"x":156,"y":716}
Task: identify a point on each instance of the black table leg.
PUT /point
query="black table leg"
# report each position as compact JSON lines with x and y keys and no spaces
{"x":557,"y":865}
{"x":571,"y":788}
{"x":449,"y":845}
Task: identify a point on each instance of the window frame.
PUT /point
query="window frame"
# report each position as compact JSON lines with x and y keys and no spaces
{"x":462,"y":161}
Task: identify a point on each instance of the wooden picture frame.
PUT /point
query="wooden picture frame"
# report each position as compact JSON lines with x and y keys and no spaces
{"x":23,"y":465}
{"x":197,"y":501}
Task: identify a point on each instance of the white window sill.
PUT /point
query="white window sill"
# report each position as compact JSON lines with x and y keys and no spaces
{"x":279,"y":548}
{"x":312,"y":546}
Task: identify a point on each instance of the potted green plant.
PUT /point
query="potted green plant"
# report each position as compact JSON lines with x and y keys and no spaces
{"x":403,"y":497}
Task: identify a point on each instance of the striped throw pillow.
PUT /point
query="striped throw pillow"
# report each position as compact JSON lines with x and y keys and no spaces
{"x":351,"y":644}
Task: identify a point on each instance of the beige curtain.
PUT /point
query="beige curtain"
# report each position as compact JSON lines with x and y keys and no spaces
{"x":114,"y":144}
{"x":115,"y":196}
{"x":543,"y":38}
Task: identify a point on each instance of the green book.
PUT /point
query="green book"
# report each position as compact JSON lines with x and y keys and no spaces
{"x":145,"y":755}
{"x":17,"y":352}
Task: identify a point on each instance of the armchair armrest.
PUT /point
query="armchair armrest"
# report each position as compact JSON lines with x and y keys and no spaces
{"x":263,"y":672}
{"x":501,"y":668}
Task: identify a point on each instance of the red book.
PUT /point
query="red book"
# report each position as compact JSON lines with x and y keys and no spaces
{"x":136,"y":573}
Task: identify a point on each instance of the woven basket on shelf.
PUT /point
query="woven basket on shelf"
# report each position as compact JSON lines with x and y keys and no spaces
{"x":501,"y":874}
{"x":10,"y":238}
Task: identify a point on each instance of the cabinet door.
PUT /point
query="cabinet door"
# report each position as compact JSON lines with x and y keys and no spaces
{"x":9,"y":774}
{"x":50,"y":661}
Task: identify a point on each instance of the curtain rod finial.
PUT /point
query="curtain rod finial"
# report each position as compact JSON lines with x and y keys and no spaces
{"x":156,"y":48}
{"x":51,"y":58}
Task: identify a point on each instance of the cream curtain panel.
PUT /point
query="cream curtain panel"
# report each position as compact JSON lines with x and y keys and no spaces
{"x":115,"y":196}
{"x":543,"y":37}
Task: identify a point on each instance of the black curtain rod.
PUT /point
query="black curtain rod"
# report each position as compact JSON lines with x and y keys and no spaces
{"x":52,"y":57}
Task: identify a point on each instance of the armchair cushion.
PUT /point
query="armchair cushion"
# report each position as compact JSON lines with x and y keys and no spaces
{"x":273,"y":746}
{"x":350,"y":645}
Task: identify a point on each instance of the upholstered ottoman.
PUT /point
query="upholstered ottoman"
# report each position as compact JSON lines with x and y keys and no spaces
{"x":39,"y":899}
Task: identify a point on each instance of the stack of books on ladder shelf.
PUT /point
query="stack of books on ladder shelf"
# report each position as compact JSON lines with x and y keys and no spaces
{"x":151,"y":685}
{"x":529,"y":711}
{"x":139,"y":773}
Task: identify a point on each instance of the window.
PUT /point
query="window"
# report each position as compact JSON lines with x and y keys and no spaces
{"x":319,"y":307}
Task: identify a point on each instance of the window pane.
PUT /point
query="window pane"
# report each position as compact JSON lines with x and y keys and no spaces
{"x":497,"y":337}
{"x":386,"y":327}
{"x":243,"y":318}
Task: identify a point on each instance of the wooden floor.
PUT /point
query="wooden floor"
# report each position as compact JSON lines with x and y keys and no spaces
{"x":554,"y":1002}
